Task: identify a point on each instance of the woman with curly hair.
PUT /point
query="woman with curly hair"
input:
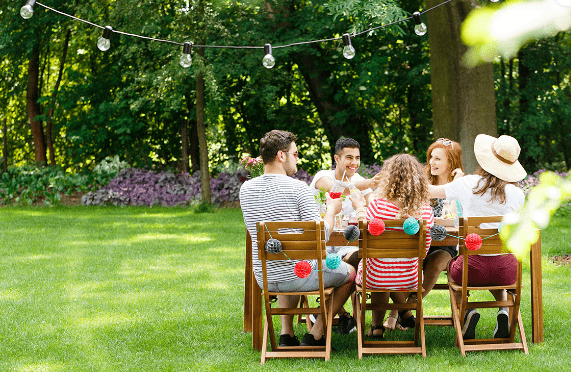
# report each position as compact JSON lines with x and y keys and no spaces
{"x":402,"y":193}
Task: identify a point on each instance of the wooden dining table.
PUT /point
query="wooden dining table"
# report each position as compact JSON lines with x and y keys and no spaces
{"x":253,"y":293}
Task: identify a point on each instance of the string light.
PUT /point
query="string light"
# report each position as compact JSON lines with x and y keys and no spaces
{"x":269,"y":61}
{"x":185,"y":58}
{"x":27,"y":11}
{"x":420,"y":28}
{"x":348,"y":50}
{"x":104,"y":43}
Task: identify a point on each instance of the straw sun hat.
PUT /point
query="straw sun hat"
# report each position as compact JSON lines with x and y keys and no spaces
{"x":498,"y":156}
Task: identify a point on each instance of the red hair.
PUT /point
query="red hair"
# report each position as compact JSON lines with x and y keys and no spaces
{"x":453,"y":154}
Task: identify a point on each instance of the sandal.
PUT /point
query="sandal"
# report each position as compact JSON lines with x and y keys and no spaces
{"x":409,"y":322}
{"x":372,"y":332}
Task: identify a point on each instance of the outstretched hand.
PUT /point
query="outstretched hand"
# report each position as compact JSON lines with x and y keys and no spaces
{"x":375,"y":180}
{"x":357,"y":200}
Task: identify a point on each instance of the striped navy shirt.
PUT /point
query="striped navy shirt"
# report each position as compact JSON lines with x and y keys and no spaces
{"x":276,"y":197}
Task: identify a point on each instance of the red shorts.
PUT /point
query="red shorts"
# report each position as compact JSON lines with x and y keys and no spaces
{"x":486,"y":270}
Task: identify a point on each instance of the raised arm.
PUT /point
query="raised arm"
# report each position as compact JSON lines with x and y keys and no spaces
{"x":436,"y":191}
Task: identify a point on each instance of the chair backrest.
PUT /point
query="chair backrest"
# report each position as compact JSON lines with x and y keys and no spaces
{"x":491,"y":242}
{"x":300,"y":240}
{"x":392,"y":243}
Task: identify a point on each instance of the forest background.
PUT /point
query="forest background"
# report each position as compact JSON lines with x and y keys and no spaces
{"x":66,"y":104}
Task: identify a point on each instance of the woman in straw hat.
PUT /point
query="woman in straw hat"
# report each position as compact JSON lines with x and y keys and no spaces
{"x":491,"y":191}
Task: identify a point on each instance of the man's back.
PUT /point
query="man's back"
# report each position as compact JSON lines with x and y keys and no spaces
{"x":275,"y":197}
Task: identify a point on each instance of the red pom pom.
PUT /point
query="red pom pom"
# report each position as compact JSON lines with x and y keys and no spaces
{"x":376,"y":226}
{"x":302,"y":269}
{"x":473,"y":242}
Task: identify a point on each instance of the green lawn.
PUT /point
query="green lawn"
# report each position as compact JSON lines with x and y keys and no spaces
{"x":157,"y":289}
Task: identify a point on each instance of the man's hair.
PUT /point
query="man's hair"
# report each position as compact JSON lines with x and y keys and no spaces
{"x":274,"y":141}
{"x":345,"y":142}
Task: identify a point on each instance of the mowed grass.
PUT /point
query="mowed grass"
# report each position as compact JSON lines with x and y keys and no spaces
{"x":161,"y":289}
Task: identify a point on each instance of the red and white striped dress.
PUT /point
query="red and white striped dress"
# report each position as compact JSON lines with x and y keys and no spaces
{"x":392,"y":273}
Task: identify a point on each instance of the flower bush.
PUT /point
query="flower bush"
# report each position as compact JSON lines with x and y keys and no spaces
{"x":253,"y":165}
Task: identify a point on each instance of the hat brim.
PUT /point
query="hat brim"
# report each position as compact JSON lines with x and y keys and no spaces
{"x":491,"y":164}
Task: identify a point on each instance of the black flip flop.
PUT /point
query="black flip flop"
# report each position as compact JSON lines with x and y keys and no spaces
{"x":409,"y":322}
{"x":373,"y":328}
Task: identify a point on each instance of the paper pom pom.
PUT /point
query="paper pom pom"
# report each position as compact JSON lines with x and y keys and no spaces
{"x":351,"y":233}
{"x":273,"y":246}
{"x":473,"y":242}
{"x":333,"y":261}
{"x":302,"y":269}
{"x":376,"y":227}
{"x":411,"y":226}
{"x":438,"y":233}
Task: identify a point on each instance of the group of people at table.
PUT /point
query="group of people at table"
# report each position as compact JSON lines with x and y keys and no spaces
{"x":403,"y":188}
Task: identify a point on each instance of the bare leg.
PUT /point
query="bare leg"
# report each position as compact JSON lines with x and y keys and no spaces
{"x":435,"y":264}
{"x":378,"y":315}
{"x":340,"y":296}
{"x":287,"y":320}
{"x":499,"y":294}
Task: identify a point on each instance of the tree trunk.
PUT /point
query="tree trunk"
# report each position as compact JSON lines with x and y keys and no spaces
{"x":33,"y":107}
{"x":184,"y":140}
{"x":463,"y":99}
{"x":49,"y":134}
{"x":201,"y":129}
{"x":5,"y":142}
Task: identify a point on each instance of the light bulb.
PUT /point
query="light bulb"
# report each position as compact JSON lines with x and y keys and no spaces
{"x":348,"y":52}
{"x":420,"y":29}
{"x":27,"y":11}
{"x":185,"y":60}
{"x":103,"y":44}
{"x":269,"y":61}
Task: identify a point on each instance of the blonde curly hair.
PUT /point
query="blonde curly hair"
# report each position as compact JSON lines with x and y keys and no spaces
{"x":403,"y":179}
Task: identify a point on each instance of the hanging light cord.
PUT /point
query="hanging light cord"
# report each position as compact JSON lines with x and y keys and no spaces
{"x":236,"y":46}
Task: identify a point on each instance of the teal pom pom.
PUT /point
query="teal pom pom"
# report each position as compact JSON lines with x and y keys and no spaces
{"x":411,"y":226}
{"x":333,"y":261}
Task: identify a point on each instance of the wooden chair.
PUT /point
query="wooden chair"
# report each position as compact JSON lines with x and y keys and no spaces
{"x":308,"y":243}
{"x":391,"y":244}
{"x":490,"y":245}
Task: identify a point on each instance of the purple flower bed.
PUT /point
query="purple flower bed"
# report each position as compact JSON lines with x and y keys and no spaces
{"x":148,"y":188}
{"x":532,"y":180}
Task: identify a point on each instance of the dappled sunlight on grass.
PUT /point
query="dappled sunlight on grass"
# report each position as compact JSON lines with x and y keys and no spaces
{"x":11,"y":295}
{"x":107,"y":319}
{"x":41,"y":367}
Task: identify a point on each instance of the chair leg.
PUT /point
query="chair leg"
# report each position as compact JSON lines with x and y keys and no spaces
{"x":456,"y":319}
{"x":265,"y":341}
{"x":360,"y":326}
{"x":329,"y":328}
{"x":522,"y":333}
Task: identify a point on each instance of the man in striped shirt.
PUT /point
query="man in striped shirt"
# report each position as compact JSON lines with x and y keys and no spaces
{"x":275,"y":196}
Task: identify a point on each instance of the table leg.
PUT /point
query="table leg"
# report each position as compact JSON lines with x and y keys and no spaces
{"x":536,"y":292}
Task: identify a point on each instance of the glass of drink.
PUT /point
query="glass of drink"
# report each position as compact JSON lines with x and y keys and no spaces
{"x":337,"y":189}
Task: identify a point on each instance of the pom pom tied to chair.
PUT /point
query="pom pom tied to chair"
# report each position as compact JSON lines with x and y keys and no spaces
{"x":302,"y":269}
{"x":376,"y":226}
{"x":473,"y":242}
{"x":351,"y":232}
{"x":332,"y":261}
{"x":411,"y":226}
{"x":273,"y":246}
{"x":438,"y":233}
